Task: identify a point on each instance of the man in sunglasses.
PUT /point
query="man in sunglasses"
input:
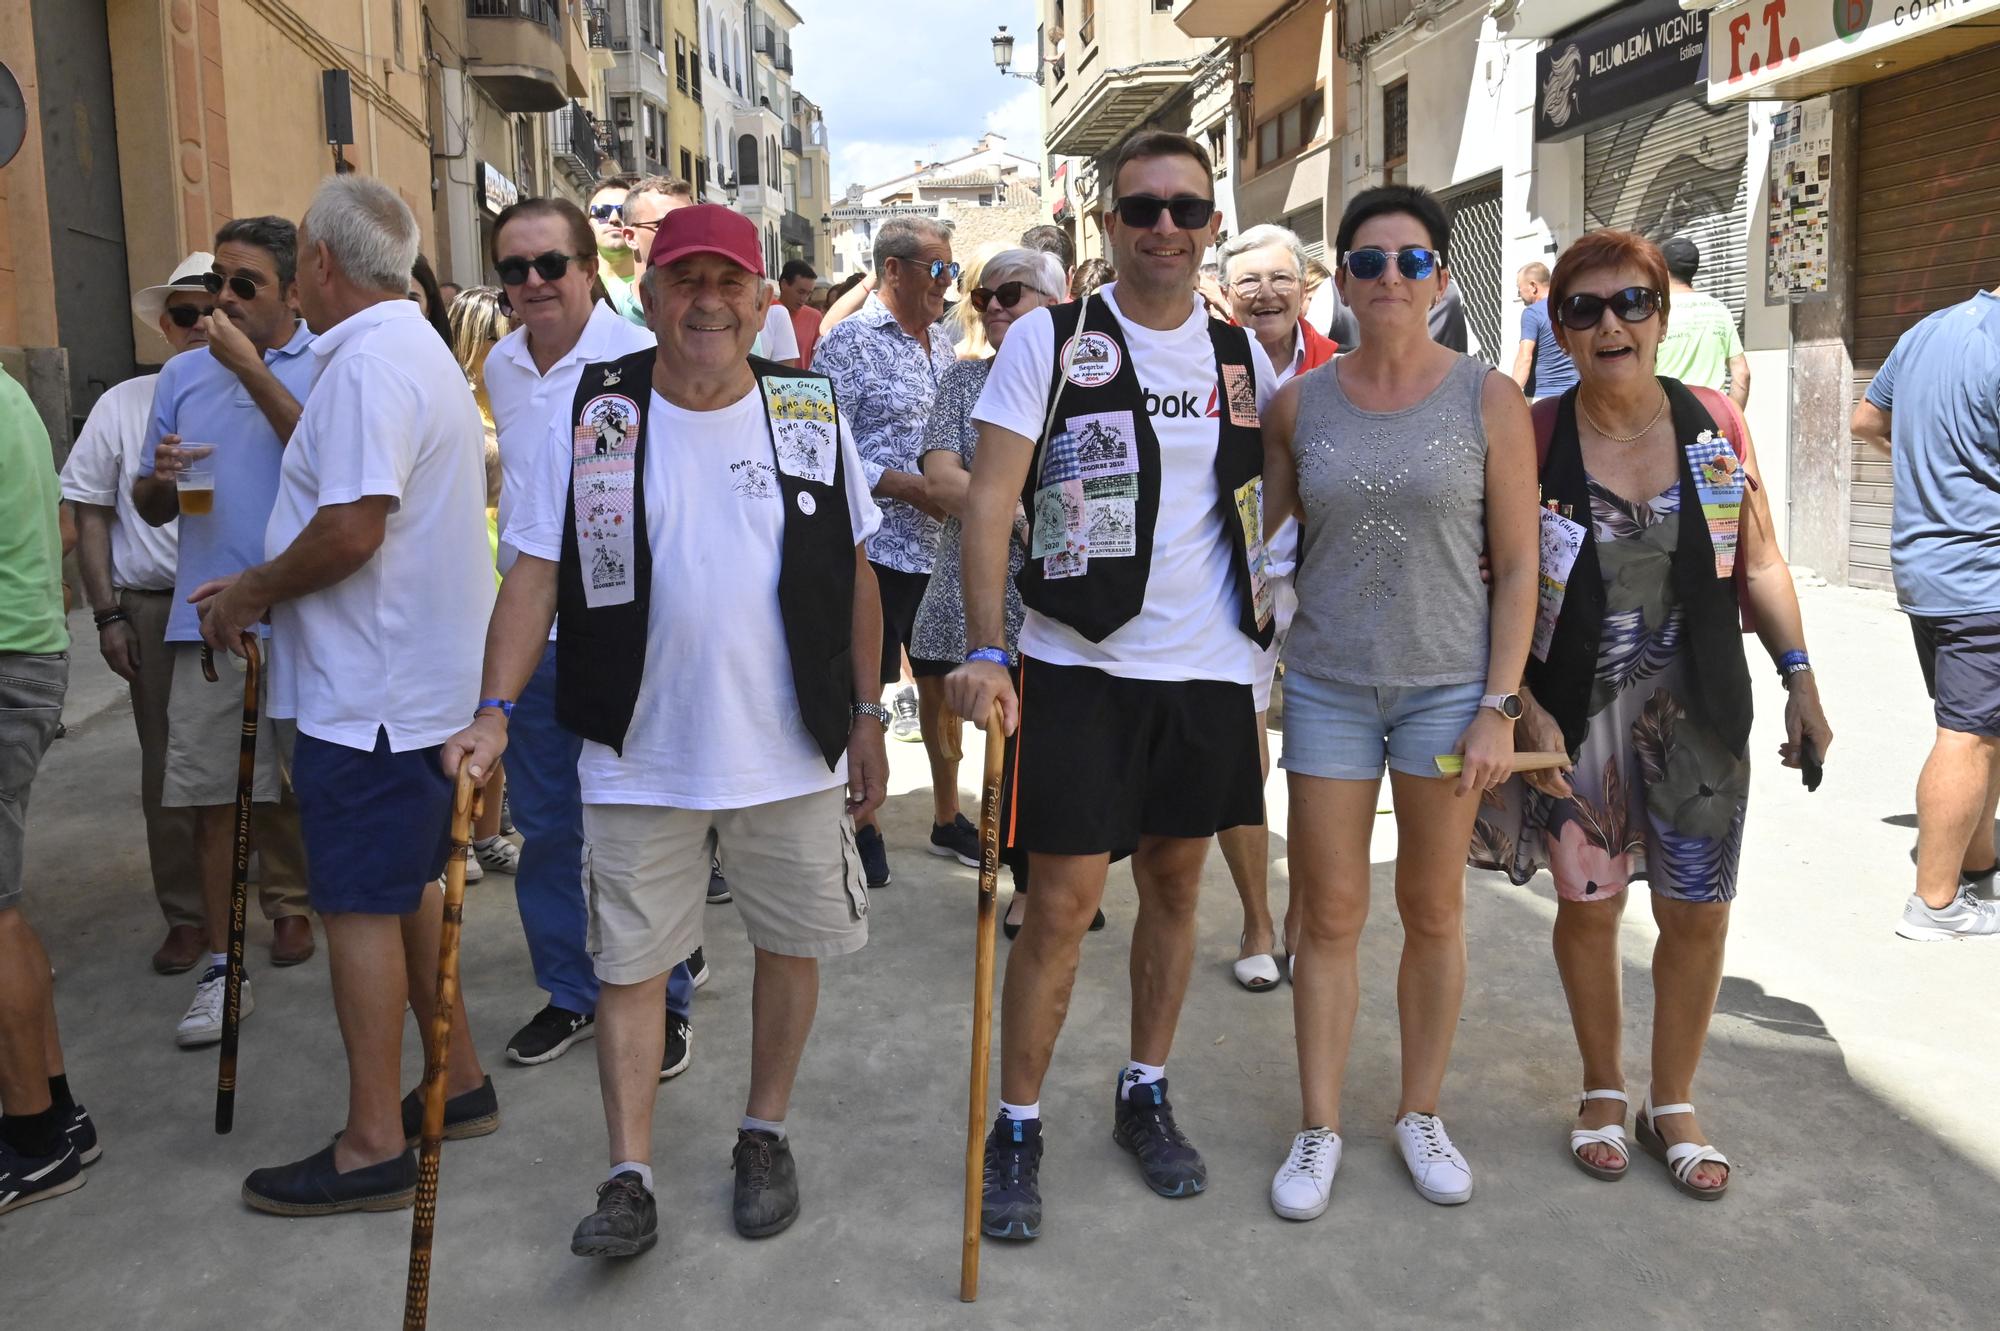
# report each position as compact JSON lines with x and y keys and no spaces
{"x":886,"y":362}
{"x":1541,"y":367}
{"x":1128,"y":426}
{"x":650,"y":199}
{"x":615,"y":266}
{"x":229,"y":406}
{"x":128,"y":574}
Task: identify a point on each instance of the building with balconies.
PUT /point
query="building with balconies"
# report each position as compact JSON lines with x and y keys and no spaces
{"x":814,"y":184}
{"x":638,"y":86}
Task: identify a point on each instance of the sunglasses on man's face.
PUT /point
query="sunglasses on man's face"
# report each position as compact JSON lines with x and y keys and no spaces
{"x":1142,"y":211}
{"x":606,"y":212}
{"x":549,"y":266}
{"x":243,"y":288}
{"x":1584,"y":311}
{"x":1009,"y":295}
{"x":939,"y":269}
{"x":187,"y":316}
{"x":1415,"y":263}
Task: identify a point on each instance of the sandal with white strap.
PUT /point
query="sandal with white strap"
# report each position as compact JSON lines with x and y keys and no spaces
{"x":1680,"y":1158}
{"x":1611,"y":1135}
{"x":1258,"y":973}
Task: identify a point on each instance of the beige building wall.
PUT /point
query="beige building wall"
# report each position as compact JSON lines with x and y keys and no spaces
{"x":687,"y":126}
{"x":27,"y":273}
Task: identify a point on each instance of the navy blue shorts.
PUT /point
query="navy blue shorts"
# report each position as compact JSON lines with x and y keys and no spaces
{"x":376,"y":826}
{"x":1960,"y":657}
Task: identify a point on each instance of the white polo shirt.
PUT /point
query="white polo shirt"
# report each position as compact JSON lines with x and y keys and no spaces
{"x":101,"y":469}
{"x":397,"y":644}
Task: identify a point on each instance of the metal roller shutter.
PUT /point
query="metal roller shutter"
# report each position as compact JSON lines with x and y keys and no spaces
{"x":1677,"y":170}
{"x":1475,"y":260}
{"x":1924,"y":238}
{"x":1309,"y":224}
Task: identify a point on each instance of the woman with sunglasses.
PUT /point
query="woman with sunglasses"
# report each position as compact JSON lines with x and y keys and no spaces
{"x":1642,"y":678}
{"x":1403,"y":460}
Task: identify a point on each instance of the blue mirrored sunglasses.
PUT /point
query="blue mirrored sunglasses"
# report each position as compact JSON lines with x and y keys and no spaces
{"x":1414,"y":263}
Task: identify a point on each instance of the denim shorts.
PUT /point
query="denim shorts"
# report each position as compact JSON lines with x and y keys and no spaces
{"x":1345,"y":731}
{"x":31,"y":699}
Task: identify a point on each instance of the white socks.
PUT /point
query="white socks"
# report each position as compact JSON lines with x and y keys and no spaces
{"x":1138,"y":1074}
{"x":1021,"y":1113}
{"x":218,"y":959}
{"x":645,"y":1172}
{"x":764,"y":1125}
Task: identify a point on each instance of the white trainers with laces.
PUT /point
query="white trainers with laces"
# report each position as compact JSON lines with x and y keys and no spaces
{"x":1966,"y":917}
{"x":1305,"y":1181}
{"x":1435,"y":1165}
{"x":203,"y":1022}
{"x":473,"y":870}
{"x":501,"y":856}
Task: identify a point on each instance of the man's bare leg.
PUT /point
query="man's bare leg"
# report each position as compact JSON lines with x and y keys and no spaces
{"x":1041,"y":967}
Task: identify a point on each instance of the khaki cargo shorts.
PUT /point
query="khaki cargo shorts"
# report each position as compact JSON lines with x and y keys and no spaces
{"x":205,"y":732}
{"x":791,"y":864}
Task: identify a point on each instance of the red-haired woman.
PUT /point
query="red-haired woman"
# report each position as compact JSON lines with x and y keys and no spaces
{"x":1642,"y":677}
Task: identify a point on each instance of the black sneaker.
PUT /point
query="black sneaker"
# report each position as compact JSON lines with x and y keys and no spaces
{"x":1012,"y":1204}
{"x":697,"y":968}
{"x":958,"y":839}
{"x":625,"y":1223}
{"x":36,"y":1178}
{"x":549,"y":1034}
{"x":82,"y":1134}
{"x":472,"y":1113}
{"x":680,"y":1048}
{"x":767,"y":1185}
{"x":313,"y":1186}
{"x":874,"y":857}
{"x":1144,"y":1125}
{"x":718,"y":886}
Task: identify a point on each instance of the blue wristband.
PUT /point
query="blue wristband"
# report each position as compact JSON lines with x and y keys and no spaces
{"x":997,"y":655}
{"x":1791,"y":663}
{"x":506,"y":707}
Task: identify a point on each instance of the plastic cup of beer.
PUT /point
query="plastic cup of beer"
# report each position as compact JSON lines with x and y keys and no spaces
{"x":196,"y":485}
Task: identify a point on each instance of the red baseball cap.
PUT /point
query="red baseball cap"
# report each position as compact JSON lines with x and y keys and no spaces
{"x":707,"y":228}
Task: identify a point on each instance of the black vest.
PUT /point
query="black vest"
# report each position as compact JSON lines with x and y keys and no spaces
{"x":601,"y":652}
{"x":1718,"y":674}
{"x":1111,"y":592}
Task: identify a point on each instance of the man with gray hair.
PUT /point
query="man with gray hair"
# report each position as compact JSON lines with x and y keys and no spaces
{"x":885,"y":364}
{"x":378,"y":585}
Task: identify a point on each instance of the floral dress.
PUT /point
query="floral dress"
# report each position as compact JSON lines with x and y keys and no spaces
{"x":1657,"y":796}
{"x":939,"y":634}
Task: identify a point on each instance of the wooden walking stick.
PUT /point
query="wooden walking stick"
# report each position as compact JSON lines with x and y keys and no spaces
{"x":437,"y":1055}
{"x":982,"y":1001}
{"x":239,"y":885}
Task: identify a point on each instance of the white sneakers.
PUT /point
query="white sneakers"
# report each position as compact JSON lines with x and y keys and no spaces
{"x":1966,"y":917}
{"x":502,"y":856}
{"x":203,"y":1022}
{"x":1436,"y":1167}
{"x":1305,"y":1181}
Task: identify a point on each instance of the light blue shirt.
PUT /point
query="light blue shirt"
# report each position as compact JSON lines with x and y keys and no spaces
{"x":204,"y":403}
{"x":1555,"y":372}
{"x":1941,"y":388}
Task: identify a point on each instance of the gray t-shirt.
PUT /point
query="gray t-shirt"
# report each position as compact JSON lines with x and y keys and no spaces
{"x":1941,"y":386}
{"x":1395,"y":520}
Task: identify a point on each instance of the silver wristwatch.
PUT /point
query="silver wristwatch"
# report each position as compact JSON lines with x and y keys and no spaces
{"x":874,"y":709}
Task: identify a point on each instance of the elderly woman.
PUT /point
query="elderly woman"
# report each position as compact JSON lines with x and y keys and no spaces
{"x":1263,"y":278}
{"x":1641,"y":676}
{"x":1402,"y":461}
{"x":1007,"y":286}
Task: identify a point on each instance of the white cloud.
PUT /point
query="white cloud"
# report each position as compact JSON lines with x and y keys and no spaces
{"x":872,"y":162}
{"x":1019,"y":120}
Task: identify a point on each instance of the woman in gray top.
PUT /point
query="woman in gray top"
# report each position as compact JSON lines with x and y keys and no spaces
{"x":1402,"y":460}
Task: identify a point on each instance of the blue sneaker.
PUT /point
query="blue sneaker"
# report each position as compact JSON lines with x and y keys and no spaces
{"x":1012,"y":1204}
{"x":36,"y":1178}
{"x":82,"y":1134}
{"x":874,"y":857}
{"x":1143,"y":1124}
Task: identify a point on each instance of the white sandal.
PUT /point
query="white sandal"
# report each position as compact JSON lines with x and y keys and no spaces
{"x":1681,"y":1158}
{"x":1257,"y":974}
{"x":1612,"y":1135}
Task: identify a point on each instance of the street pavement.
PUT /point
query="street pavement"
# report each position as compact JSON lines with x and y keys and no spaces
{"x":1850,"y":1076}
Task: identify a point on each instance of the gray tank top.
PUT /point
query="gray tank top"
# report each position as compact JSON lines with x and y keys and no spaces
{"x":1395,"y":520}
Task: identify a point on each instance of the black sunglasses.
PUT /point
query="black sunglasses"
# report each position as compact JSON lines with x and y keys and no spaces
{"x":605,"y":212}
{"x":1583,"y":311}
{"x":1007,"y":293}
{"x":187,"y":316}
{"x":244,"y":288}
{"x":1142,"y":211}
{"x":1415,"y":263}
{"x":550,"y":266}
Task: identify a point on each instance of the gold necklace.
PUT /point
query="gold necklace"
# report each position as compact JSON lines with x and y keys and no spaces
{"x":1623,"y":438}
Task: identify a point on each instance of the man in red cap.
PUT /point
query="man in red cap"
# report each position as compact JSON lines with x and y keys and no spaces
{"x":700,"y":516}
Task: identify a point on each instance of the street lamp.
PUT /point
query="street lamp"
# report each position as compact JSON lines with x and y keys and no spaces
{"x":1003,"y":56}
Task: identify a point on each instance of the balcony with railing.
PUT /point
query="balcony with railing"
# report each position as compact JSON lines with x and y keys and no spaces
{"x":517,"y":53}
{"x":794,"y":229}
{"x":794,"y":140}
{"x":574,"y":143}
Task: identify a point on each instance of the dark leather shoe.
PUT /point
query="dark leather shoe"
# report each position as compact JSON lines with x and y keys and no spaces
{"x":184,"y":946}
{"x":313,"y":1186}
{"x":291,"y":940}
{"x":767,"y":1185}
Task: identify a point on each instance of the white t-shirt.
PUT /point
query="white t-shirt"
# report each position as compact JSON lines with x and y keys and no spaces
{"x":779,"y":340}
{"x":101,"y":469}
{"x":397,"y":644}
{"x":526,"y":402}
{"x":717,"y":724}
{"x":1188,"y":627}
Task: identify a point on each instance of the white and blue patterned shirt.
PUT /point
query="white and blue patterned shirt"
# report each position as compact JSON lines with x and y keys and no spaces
{"x":885,"y":384}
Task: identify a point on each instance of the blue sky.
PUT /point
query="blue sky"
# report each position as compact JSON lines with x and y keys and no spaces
{"x":906,"y":79}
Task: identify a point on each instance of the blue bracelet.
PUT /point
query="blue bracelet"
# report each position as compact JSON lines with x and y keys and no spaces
{"x":506,"y":707}
{"x":1791,"y":663}
{"x":997,"y":655}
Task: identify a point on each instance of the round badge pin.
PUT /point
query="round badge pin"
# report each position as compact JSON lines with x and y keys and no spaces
{"x":1090,"y":359}
{"x":806,"y":504}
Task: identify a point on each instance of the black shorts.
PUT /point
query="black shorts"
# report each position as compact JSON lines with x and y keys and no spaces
{"x":1100,"y":761}
{"x":1960,"y":656}
{"x":902,"y":593}
{"x":924,"y":668}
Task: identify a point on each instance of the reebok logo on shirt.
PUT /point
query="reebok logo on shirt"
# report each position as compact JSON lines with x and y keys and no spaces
{"x":1174,"y":406}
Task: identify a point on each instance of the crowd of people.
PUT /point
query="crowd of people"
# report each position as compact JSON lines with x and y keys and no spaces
{"x":1099,"y":506}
